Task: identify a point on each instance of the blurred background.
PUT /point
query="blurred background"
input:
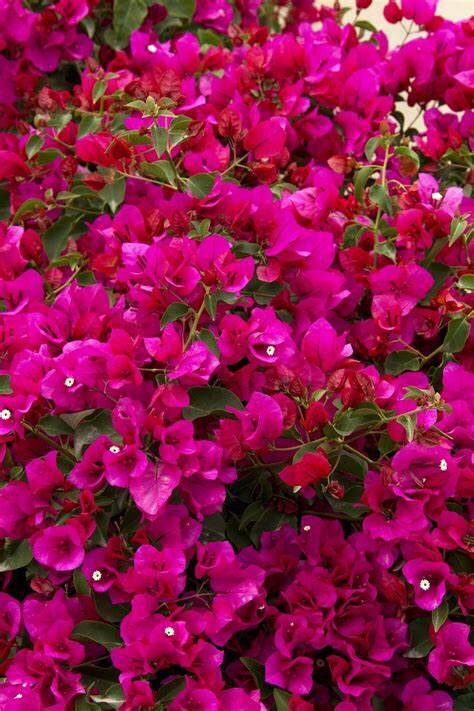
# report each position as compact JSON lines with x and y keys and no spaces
{"x":451,"y":9}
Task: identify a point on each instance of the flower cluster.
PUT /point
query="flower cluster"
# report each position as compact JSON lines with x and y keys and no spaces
{"x":237,"y":357}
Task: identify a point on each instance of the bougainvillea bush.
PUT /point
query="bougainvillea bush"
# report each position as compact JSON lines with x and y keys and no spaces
{"x":237,"y":359}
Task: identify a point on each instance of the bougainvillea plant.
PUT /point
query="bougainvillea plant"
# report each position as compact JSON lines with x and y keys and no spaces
{"x":237,"y":357}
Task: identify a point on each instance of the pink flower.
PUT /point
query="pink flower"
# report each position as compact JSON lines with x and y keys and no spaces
{"x":407,"y":284}
{"x":266,"y":139}
{"x":195,"y":366}
{"x":310,"y":469}
{"x":295,"y":675}
{"x":59,"y":547}
{"x":428,"y":578}
{"x":452,"y":649}
{"x":323,"y":348}
{"x":152,"y":488}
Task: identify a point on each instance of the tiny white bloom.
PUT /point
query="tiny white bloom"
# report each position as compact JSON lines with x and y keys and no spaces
{"x":96,"y":575}
{"x":307,"y":528}
{"x":69,"y":382}
{"x":169,"y":631}
{"x":18,"y":696}
{"x":443,"y":465}
{"x":114,"y":449}
{"x":436,"y":196}
{"x":425,"y":584}
{"x":152,"y":48}
{"x":270,"y":351}
{"x":5,"y":414}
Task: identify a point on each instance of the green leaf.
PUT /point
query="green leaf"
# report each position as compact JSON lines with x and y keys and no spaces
{"x":371,"y":146}
{"x":91,"y":428}
{"x":269,"y":521}
{"x":138,"y":105}
{"x":209,"y":37}
{"x":201,"y":184}
{"x":251,"y":514}
{"x":365,"y":25}
{"x":399,"y":361}
{"x":456,"y":336}
{"x":242,"y":249}
{"x":33,"y":145}
{"x":184,"y":9}
{"x":350,"y":463}
{"x":361,"y":179}
{"x":98,"y":90}
{"x":113,"y":194}
{"x":167,"y":692}
{"x":440,"y":615}
{"x":5,"y":388}
{"x":4,"y":205}
{"x":464,"y":702}
{"x":82,"y":704}
{"x":208,"y":338}
{"x":387,"y":249}
{"x":351,"y":420}
{"x":466,"y":282}
{"x":86,"y":278}
{"x":29,"y":207}
{"x":458,"y":225}
{"x":160,"y":170}
{"x":178,"y":130}
{"x":257,"y":670}
{"x":55,"y":238}
{"x":112,"y":695}
{"x":128,"y":16}
{"x":377,"y":704}
{"x":80,"y":583}
{"x":173,"y":312}
{"x":379,"y":195}
{"x":213,"y":528}
{"x":408,"y":422}
{"x":308,"y":447}
{"x":14,"y":555}
{"x":282,"y":699}
{"x":352,"y":234}
{"x":108,"y":611}
{"x":53,"y":426}
{"x":421,"y":650}
{"x":406,"y":152}
{"x":209,"y":400}
{"x":160,"y":139}
{"x":89,"y":124}
{"x":100,"y":632}
{"x":210,"y":301}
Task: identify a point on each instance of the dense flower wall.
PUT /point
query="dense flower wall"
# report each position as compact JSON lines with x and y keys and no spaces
{"x":237,"y":357}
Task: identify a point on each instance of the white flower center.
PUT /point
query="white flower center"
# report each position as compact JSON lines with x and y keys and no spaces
{"x":69,"y":382}
{"x":96,"y":575}
{"x":5,"y":414}
{"x":307,"y":528}
{"x":443,"y":465}
{"x":437,"y":196}
{"x":152,"y":48}
{"x":270,"y":351}
{"x":425,"y":584}
{"x":114,"y":449}
{"x":169,"y":631}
